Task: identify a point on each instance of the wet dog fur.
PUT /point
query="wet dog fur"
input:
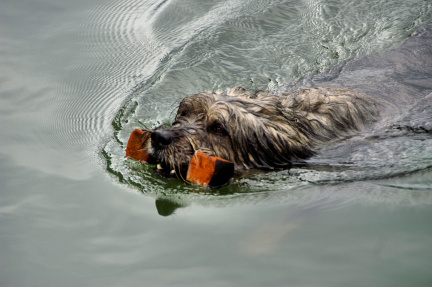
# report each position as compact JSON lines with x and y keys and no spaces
{"x":259,"y":130}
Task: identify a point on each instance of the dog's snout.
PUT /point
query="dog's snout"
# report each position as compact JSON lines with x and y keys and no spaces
{"x":161,"y":139}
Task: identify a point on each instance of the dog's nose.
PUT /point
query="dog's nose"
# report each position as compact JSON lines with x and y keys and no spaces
{"x":161,"y":139}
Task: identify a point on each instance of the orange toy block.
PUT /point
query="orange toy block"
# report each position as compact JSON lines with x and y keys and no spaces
{"x":136,"y":148}
{"x":211,"y":171}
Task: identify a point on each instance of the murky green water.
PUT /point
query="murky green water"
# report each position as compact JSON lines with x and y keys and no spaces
{"x":78,"y":77}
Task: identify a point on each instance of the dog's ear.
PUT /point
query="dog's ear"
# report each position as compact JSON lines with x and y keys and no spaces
{"x":267,"y":147}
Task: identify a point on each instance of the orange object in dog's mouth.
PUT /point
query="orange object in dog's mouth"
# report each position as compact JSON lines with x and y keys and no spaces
{"x":203,"y":169}
{"x":137,"y":147}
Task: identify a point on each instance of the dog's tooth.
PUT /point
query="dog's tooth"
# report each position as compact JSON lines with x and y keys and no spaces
{"x":159,"y":166}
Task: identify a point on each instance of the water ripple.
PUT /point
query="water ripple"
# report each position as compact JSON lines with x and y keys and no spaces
{"x":177,"y":49}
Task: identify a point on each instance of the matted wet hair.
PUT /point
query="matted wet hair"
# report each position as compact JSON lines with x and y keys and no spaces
{"x":262,"y":130}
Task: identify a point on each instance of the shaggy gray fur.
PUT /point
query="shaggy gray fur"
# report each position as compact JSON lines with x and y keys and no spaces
{"x":259,"y":131}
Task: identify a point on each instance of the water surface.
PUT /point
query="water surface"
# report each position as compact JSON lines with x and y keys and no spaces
{"x":78,"y":77}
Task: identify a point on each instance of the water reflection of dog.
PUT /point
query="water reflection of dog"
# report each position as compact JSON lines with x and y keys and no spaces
{"x":259,"y":131}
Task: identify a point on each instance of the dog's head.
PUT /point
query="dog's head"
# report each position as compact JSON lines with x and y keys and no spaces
{"x":250,"y":130}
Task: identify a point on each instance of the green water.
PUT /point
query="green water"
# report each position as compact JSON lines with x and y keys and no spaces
{"x":76,"y":78}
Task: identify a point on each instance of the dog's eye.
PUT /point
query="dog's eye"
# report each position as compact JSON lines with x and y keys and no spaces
{"x":217,"y":129}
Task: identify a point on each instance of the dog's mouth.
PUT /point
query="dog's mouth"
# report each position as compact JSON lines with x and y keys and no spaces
{"x":169,"y":163}
{"x":167,"y":170}
{"x":189,"y":165}
{"x":171,"y":159}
